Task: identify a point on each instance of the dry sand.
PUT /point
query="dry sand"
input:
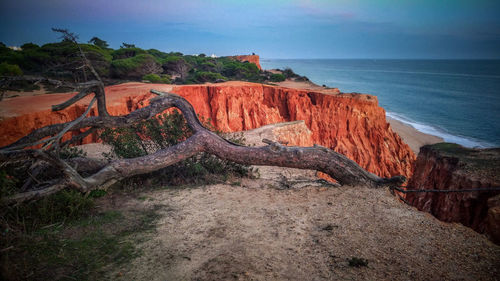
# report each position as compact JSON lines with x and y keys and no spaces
{"x":414,"y":138}
{"x":270,"y":229}
{"x":287,"y":225}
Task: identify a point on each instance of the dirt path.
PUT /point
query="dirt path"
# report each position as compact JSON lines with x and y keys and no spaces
{"x":256,"y":230}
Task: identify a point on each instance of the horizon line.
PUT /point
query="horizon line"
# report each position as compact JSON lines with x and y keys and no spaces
{"x":263,"y":58}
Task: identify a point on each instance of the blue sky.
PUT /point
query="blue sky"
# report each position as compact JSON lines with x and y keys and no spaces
{"x":272,"y":29}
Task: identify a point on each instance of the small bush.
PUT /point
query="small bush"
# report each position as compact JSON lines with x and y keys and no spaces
{"x":277,"y":77}
{"x":207,"y":76}
{"x":27,"y":46}
{"x":157,"y":53}
{"x":155,"y":78}
{"x":63,"y":206}
{"x":10,"y":69}
{"x":135,"y":67}
{"x":288,"y":72}
{"x":357,"y":262}
{"x":124,"y":53}
{"x":21,"y":85}
{"x":301,"y":79}
{"x":7,"y":184}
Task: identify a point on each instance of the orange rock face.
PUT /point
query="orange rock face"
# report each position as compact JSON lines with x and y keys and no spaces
{"x":352,"y":124}
{"x":436,"y":168}
{"x":250,"y":58}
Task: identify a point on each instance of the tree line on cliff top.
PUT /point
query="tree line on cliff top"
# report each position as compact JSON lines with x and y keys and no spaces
{"x":129,"y":63}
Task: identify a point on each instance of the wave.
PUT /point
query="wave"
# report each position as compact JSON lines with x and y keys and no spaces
{"x":418,"y":72}
{"x":431,"y":130}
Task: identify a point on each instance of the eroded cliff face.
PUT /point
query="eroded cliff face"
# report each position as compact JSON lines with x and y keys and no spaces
{"x":352,"y":124}
{"x":250,"y":58}
{"x":450,"y":166}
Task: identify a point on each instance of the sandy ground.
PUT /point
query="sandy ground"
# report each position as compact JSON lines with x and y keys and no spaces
{"x":265,"y":230}
{"x":13,"y":94}
{"x":287,"y":225}
{"x":414,"y":138}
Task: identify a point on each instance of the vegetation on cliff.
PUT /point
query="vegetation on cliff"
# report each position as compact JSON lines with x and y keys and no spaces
{"x":130,"y":63}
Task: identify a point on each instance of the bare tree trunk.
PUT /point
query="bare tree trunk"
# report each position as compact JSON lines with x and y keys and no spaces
{"x":319,"y":158}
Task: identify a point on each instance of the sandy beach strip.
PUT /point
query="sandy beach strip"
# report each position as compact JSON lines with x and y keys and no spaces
{"x":414,"y":138}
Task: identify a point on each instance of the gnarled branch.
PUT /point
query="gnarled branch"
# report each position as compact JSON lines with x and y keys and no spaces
{"x":338,"y":166}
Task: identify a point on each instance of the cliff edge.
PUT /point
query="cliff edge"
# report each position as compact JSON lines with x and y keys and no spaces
{"x":448,"y":166}
{"x":352,"y":124}
{"x":249,"y":58}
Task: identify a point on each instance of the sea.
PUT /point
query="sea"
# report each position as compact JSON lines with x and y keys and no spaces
{"x":458,"y":100}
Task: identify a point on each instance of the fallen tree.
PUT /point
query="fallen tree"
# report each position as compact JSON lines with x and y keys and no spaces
{"x":319,"y":158}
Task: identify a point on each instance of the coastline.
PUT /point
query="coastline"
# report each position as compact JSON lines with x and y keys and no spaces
{"x":413,"y":137}
{"x":410,"y":135}
{"x":460,"y":111}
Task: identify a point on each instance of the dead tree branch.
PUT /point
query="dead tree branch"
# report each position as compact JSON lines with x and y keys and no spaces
{"x":339,"y":167}
{"x":96,"y":86}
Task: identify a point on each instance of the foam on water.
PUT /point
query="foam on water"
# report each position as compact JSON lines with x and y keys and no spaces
{"x":428,"y":129}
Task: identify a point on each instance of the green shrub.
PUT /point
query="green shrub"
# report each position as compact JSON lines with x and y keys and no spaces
{"x":357,"y":262}
{"x":207,"y":76}
{"x":28,"y":46}
{"x":63,"y":206}
{"x":157,"y":53}
{"x":67,"y":55}
{"x":148,"y":136}
{"x":135,"y":67}
{"x":99,"y":42}
{"x":171,"y":59}
{"x":7,"y":184}
{"x":289,"y":74}
{"x":277,"y":77}
{"x":10,"y":69}
{"x":208,"y":65}
{"x":155,"y":78}
{"x":159,"y":133}
{"x":21,"y":86}
{"x":124,"y":53}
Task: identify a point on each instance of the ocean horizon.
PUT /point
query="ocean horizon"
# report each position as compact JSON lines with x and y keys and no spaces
{"x":457,"y":100}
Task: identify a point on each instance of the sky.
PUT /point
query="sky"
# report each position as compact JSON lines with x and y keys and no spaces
{"x":411,"y":29}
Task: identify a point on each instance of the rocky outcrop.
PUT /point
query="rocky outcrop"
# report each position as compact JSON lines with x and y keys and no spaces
{"x":249,"y":58}
{"x":447,"y":166}
{"x":493,"y":219}
{"x":352,"y":124}
{"x":293,"y":133}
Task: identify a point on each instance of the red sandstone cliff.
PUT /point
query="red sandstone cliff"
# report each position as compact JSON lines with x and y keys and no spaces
{"x":450,"y":166}
{"x":250,"y":58}
{"x":352,"y":124}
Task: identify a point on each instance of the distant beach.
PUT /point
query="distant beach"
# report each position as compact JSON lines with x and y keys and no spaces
{"x":414,"y":138}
